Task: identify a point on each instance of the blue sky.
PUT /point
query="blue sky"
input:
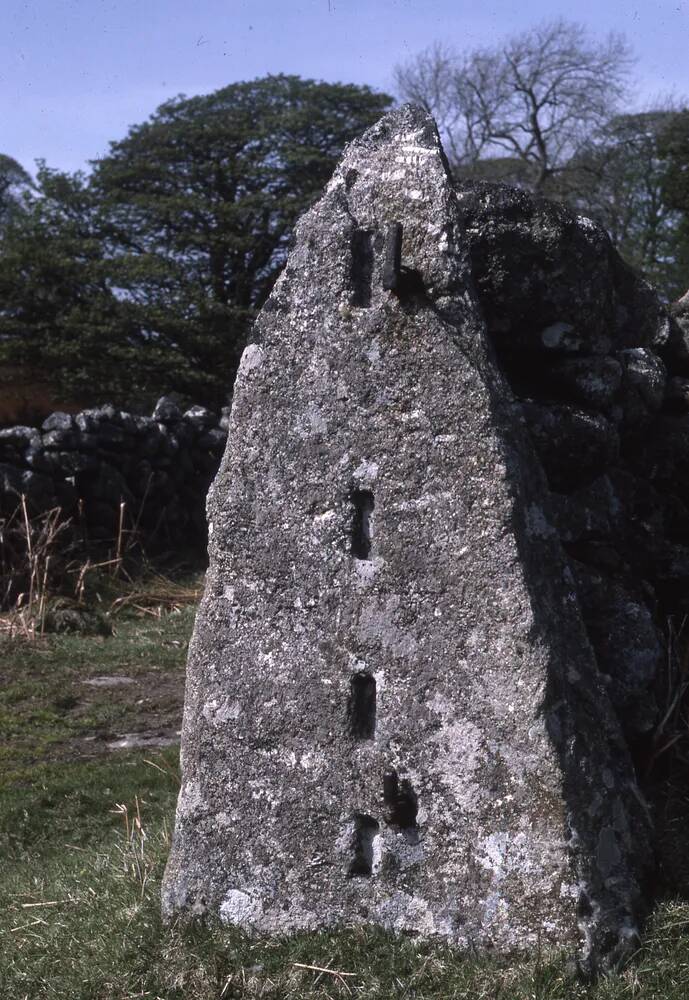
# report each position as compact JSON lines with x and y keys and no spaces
{"x":74,"y":74}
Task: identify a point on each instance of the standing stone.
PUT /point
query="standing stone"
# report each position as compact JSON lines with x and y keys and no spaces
{"x":393,"y":715}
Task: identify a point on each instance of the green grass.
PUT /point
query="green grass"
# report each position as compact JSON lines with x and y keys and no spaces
{"x":48,"y":711}
{"x":84,"y":835}
{"x":96,"y":934}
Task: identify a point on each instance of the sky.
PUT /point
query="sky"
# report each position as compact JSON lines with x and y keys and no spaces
{"x":75,"y":74}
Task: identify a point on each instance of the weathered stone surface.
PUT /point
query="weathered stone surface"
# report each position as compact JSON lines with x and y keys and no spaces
{"x":58,"y":422}
{"x":676,"y":349}
{"x":201,"y":417}
{"x":90,"y":420}
{"x":550,"y":281}
{"x":20,"y":437}
{"x":592,"y":512}
{"x":628,"y":646}
{"x":393,"y":714}
{"x":643,"y":384}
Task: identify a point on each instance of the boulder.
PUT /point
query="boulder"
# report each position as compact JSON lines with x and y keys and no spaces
{"x":643,"y":384}
{"x":393,"y":713}
{"x":20,"y":437}
{"x":592,"y":382}
{"x":676,"y":400}
{"x":200,"y":417}
{"x":58,"y":422}
{"x":543,"y":274}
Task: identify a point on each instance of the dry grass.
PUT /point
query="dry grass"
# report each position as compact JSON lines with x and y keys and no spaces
{"x":43,"y":557}
{"x":158,"y":595}
{"x":32,"y":556}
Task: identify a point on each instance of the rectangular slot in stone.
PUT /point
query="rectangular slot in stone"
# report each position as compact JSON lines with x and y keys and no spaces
{"x":362,"y":267}
{"x":401,"y":800}
{"x":362,"y":706}
{"x":361,"y":523}
{"x":393,"y":258}
{"x":365,"y":829}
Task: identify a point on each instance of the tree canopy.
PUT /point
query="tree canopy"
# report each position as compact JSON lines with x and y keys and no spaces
{"x":144,"y":275}
{"x":161,"y":257}
{"x":621,"y":182}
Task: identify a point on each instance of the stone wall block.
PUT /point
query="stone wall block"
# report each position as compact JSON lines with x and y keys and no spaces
{"x":592,"y":382}
{"x":574,"y":446}
{"x":58,"y":422}
{"x":20,"y":437}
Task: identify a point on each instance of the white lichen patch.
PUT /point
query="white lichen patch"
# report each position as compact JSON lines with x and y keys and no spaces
{"x":240,"y":908}
{"x":554,"y":335}
{"x":311,"y":422}
{"x":366,"y":473}
{"x":252,"y":357}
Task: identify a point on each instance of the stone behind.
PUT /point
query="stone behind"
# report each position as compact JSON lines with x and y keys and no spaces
{"x":394,"y":713}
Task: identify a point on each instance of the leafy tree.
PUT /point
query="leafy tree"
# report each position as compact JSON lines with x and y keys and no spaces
{"x":199,"y":204}
{"x":537,"y":98}
{"x":145,"y":276}
{"x":58,"y":315}
{"x":14,"y":182}
{"x":620,"y":181}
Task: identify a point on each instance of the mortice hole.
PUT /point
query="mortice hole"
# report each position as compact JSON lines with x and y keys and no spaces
{"x":362,"y":706}
{"x":362,"y":267}
{"x":402,"y":804}
{"x":361,"y":523}
{"x":365,"y":829}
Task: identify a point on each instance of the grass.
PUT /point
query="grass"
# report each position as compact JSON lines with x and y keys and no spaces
{"x":84,"y":834}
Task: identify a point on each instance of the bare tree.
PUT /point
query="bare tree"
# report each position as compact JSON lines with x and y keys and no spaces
{"x":538,"y":98}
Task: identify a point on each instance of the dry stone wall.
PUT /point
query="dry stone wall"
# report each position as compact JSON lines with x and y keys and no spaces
{"x":90,"y":463}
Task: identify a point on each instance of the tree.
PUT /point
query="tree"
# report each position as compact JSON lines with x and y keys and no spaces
{"x":538,"y":98}
{"x":620,"y":182}
{"x":199,"y":204}
{"x":145,"y":276}
{"x":14,"y":183}
{"x":59,"y":317}
{"x":673,"y":145}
